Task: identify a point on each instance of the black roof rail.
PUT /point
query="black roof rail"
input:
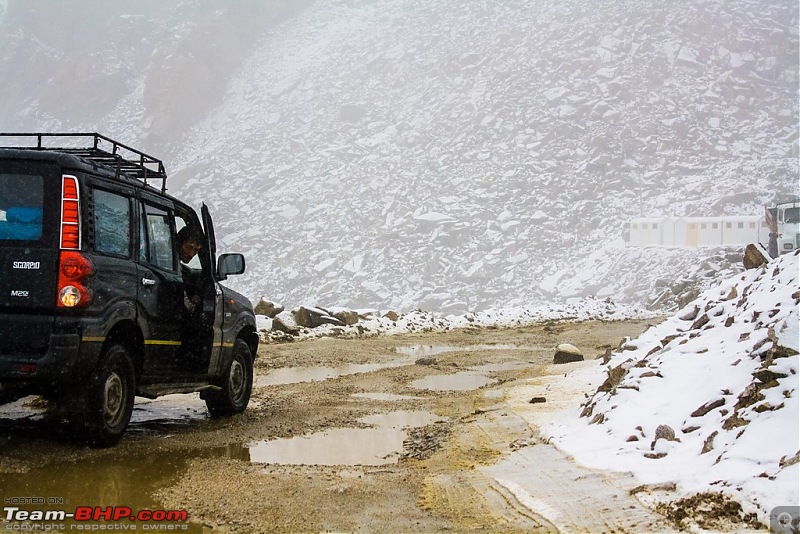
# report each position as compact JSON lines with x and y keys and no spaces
{"x":130,"y":162}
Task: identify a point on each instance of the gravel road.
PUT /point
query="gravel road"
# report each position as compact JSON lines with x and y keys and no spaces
{"x":411,"y":433}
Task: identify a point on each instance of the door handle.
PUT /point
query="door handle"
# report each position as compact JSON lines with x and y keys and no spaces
{"x":148,"y":282}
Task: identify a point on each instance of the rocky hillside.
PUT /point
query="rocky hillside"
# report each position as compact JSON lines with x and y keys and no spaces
{"x":448,"y":156}
{"x":709,"y":397}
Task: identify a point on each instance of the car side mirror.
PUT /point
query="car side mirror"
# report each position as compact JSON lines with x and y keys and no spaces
{"x":228,"y":264}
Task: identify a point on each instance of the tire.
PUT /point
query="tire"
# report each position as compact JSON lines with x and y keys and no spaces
{"x":109,"y":402}
{"x":236,"y":383}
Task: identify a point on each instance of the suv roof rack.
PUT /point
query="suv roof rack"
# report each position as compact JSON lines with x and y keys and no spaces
{"x":131,"y":162}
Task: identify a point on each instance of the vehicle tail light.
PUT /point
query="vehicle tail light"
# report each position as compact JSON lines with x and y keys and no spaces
{"x":73,"y":270}
{"x":70,"y":214}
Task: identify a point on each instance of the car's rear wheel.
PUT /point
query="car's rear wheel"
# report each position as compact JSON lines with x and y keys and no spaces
{"x":109,"y":401}
{"x":236,"y":384}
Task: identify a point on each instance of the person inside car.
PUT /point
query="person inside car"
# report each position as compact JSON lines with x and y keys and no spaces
{"x":189,"y":244}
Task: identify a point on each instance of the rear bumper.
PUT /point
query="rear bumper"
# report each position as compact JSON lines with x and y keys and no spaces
{"x":67,"y":360}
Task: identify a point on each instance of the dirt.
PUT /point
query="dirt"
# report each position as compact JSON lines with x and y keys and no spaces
{"x":359,"y":447}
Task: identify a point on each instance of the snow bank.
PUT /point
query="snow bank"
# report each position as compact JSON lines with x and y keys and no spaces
{"x":707,"y":399}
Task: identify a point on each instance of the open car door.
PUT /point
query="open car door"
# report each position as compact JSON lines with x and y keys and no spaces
{"x":219,"y":306}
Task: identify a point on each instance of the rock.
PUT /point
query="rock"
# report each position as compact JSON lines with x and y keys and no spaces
{"x":707,"y":407}
{"x":427,"y":360}
{"x":786,"y":462}
{"x":700,"y":323}
{"x":566,"y":353}
{"x":268,"y":308}
{"x":732,"y":294}
{"x":779,"y":351}
{"x":767,"y":407}
{"x":734,"y":421}
{"x":765,"y":376}
{"x":689,"y":315}
{"x":285,"y":322}
{"x":669,"y":339}
{"x":663,"y":432}
{"x":391,"y":315}
{"x":537,"y":400}
{"x":278,"y":336}
{"x":648,"y":374}
{"x":310,"y":317}
{"x":347,"y":317}
{"x":708,"y":444}
{"x":754,"y":256}
{"x":615,"y":376}
{"x":749,"y":396}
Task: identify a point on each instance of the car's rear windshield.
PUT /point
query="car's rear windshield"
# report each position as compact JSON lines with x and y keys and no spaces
{"x":21,"y":206}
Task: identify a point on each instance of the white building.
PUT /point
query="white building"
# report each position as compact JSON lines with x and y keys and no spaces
{"x":742,"y":230}
{"x":698,"y":231}
{"x":646,"y":231}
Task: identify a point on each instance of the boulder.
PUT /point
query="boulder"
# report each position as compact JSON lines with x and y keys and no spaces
{"x":566,"y":353}
{"x":754,"y":256}
{"x":391,"y":315}
{"x":268,"y":308}
{"x":347,"y":317}
{"x":285,"y":322}
{"x":311,"y":317}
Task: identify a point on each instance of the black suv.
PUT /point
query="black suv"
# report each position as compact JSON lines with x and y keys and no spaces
{"x":94,"y":305}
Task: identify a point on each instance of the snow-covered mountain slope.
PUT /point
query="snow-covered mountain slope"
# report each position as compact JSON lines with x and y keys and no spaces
{"x":442,"y":155}
{"x":708,"y":398}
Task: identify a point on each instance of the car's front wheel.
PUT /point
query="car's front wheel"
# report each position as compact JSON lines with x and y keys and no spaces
{"x":109,"y":402}
{"x":236,"y":384}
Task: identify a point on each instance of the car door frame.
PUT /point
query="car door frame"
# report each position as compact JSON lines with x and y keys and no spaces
{"x":216,"y":363}
{"x":159,"y":297}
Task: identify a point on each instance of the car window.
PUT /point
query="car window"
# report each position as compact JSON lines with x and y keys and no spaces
{"x":21,"y":199}
{"x":112,"y":223}
{"x":182,"y":221}
{"x":156,"y":238}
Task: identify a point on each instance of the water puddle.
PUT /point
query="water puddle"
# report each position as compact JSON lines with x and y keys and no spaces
{"x":497,"y":367}
{"x":109,"y":481}
{"x":379,"y":445}
{"x":296,"y":375}
{"x":432,"y":350}
{"x":384,"y":396}
{"x":171,"y":409}
{"x":165,"y":411}
{"x":463,"y":381}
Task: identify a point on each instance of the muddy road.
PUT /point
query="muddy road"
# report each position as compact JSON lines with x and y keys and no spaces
{"x":413,"y":433}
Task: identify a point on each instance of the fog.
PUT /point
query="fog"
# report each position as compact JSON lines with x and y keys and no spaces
{"x":443,"y":155}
